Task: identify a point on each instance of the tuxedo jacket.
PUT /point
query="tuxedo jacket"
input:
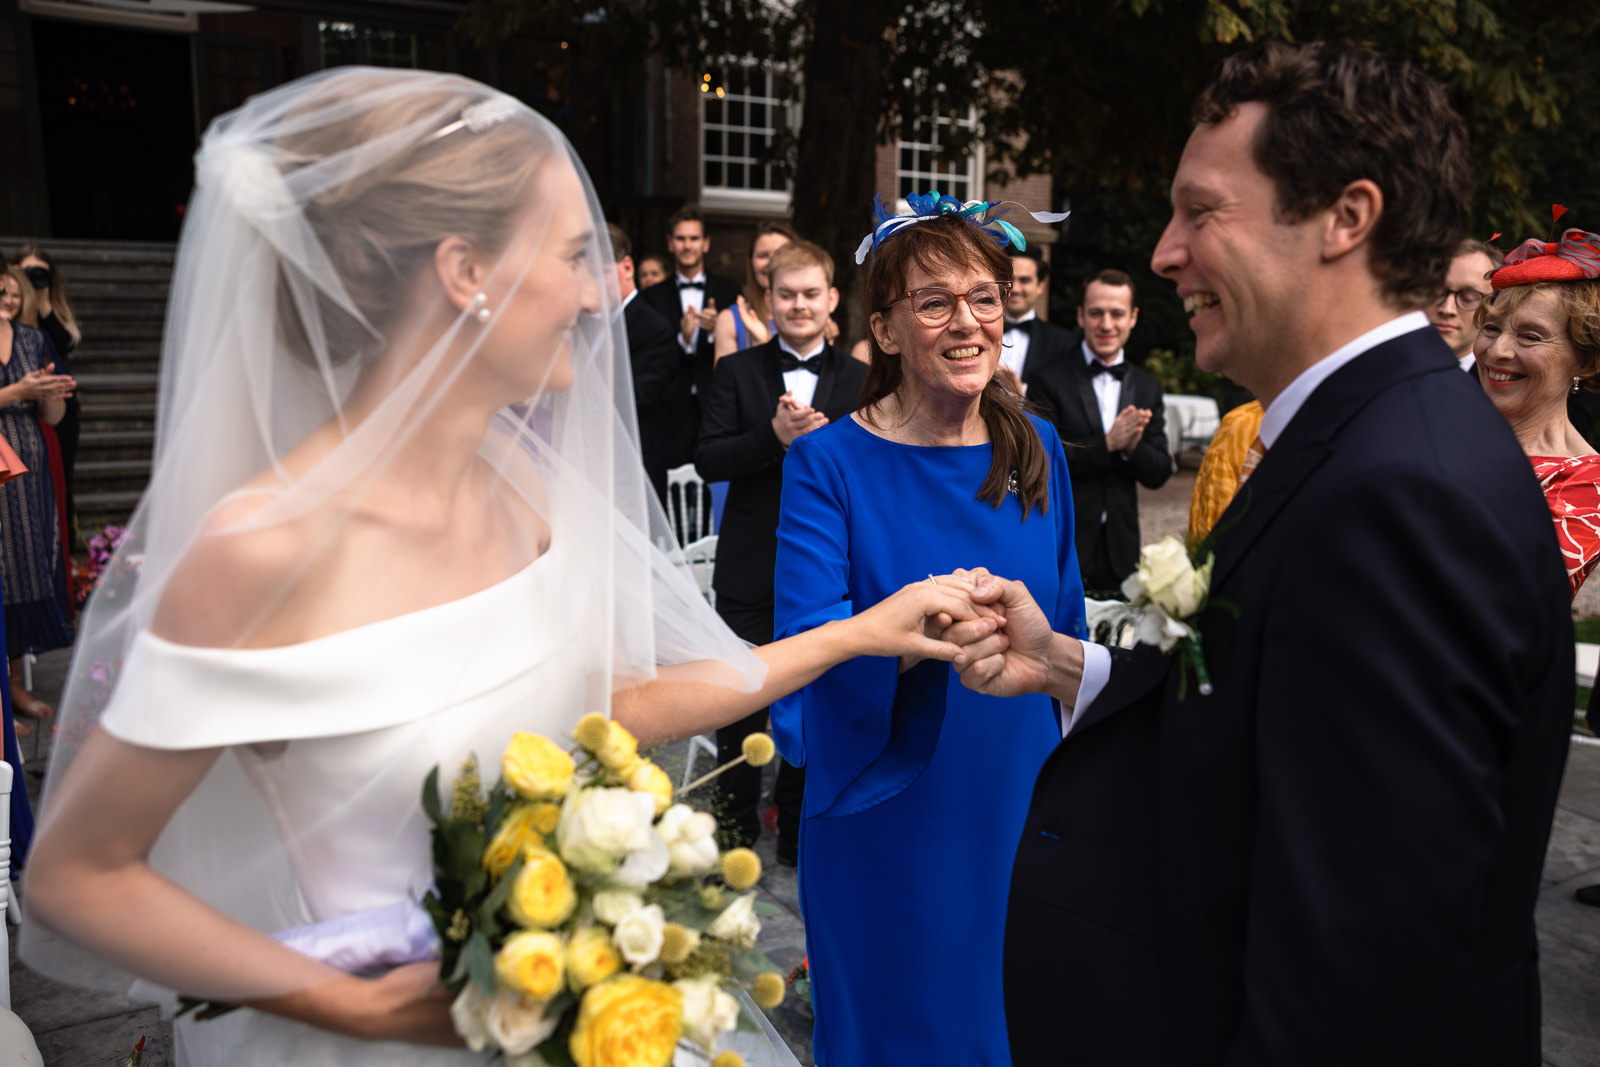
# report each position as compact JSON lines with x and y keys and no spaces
{"x":737,"y":445}
{"x":694,"y":368}
{"x":1102,"y":482}
{"x":1333,"y":858}
{"x":654,"y":358}
{"x":1047,"y":344}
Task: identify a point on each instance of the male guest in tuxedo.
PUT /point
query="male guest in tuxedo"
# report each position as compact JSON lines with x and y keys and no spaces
{"x":690,"y":299}
{"x":653,"y":357}
{"x":1330,"y":856}
{"x":760,"y":400}
{"x":1454,"y":307}
{"x":1109,"y":415}
{"x":1029,"y":342}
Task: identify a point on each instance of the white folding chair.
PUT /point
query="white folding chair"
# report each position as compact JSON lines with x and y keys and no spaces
{"x":701,"y":556}
{"x":5,"y":883}
{"x":688,"y":504}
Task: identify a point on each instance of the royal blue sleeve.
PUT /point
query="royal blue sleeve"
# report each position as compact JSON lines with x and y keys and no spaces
{"x":840,"y":723}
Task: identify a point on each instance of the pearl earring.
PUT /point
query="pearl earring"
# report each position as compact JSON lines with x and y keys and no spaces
{"x":1575,"y":382}
{"x":480,"y":308}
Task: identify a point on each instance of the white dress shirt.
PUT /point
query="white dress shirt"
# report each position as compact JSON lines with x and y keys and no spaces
{"x":1107,"y":390}
{"x":690,"y":299}
{"x":1467,"y":361}
{"x":1014,"y":344}
{"x":1287,"y":404}
{"x":801,"y":383}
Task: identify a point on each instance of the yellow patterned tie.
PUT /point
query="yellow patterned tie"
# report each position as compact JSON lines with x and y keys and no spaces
{"x":1252,"y":459}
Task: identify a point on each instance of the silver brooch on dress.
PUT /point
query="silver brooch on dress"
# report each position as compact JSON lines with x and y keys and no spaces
{"x":1011,"y":483}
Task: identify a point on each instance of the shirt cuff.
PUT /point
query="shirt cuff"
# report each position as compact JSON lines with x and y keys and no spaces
{"x":689,"y":345}
{"x":1096,"y":673}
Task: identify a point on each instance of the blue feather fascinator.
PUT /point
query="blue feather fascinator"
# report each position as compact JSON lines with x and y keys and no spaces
{"x":986,"y":215}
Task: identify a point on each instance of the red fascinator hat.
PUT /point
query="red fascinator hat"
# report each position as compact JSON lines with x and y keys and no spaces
{"x":1574,"y":258}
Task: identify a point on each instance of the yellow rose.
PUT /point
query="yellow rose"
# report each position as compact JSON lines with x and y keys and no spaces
{"x":648,"y":778}
{"x":620,"y":752}
{"x":536,"y":767}
{"x":533,"y":963}
{"x":545,"y":816}
{"x":516,"y":832}
{"x":591,"y":957}
{"x":542,"y":895}
{"x":627,"y":1021}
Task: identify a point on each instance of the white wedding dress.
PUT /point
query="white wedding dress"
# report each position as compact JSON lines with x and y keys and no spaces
{"x":369,"y":712}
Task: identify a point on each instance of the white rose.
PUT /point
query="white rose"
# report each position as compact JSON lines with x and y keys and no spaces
{"x":1170,"y":580}
{"x":1158,"y":628}
{"x":647,"y":864}
{"x":691,"y":839}
{"x":737,"y":923}
{"x":707,"y":1010}
{"x":516,"y":1023}
{"x":611,"y":906}
{"x":468,"y":1014}
{"x":599,"y":827}
{"x":639,"y":935}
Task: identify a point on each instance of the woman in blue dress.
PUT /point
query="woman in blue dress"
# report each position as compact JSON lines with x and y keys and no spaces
{"x":916,"y":787}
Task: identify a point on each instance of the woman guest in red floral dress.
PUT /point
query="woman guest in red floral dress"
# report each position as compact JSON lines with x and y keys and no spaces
{"x":1540,"y":341}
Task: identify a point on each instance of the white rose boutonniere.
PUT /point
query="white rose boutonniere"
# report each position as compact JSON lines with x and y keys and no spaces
{"x":1164,"y":592}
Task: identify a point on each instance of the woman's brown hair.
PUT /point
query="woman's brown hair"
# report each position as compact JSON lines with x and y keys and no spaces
{"x":951,"y":243}
{"x":58,"y":292}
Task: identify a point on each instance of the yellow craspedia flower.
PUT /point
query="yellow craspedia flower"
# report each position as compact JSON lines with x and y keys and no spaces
{"x":627,"y":1021}
{"x":542,"y":896}
{"x":515,"y":833}
{"x":648,"y":778}
{"x":712,"y":897}
{"x":741,"y":869}
{"x":677,"y":942}
{"x":728,"y":1058}
{"x":543,"y":817}
{"x":533,"y":963}
{"x":536,"y":767}
{"x":591,"y":957}
{"x":592,"y":731}
{"x":758,"y":749}
{"x":768,"y":990}
{"x":620,"y":751}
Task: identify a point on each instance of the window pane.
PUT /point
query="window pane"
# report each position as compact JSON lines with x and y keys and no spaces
{"x":758,"y":114}
{"x":736,"y":144}
{"x":736,"y":176}
{"x":713,"y":109}
{"x":713,"y":142}
{"x":908,"y":159}
{"x":713,"y":173}
{"x":735,"y":112}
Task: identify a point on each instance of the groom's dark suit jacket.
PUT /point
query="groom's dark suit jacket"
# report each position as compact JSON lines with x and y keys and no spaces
{"x":1332,"y":860}
{"x":1102,"y":483}
{"x":738,"y":446}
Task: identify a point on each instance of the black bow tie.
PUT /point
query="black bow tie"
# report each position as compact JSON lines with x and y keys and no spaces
{"x":1025,"y":327}
{"x":787,"y":362}
{"x":1116,"y":372}
{"x":691,"y":285}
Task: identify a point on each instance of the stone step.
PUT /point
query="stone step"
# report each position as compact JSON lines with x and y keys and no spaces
{"x":132,"y":382}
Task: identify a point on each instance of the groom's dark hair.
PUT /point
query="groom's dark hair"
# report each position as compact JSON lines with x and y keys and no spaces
{"x":1339,"y":112}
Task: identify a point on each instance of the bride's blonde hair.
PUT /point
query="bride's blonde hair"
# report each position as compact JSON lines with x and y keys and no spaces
{"x":380,"y":228}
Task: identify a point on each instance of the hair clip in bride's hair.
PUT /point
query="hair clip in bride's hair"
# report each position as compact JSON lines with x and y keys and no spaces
{"x":480,"y":116}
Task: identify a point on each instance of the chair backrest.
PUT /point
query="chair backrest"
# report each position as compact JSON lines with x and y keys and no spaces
{"x":701,"y":556}
{"x":688,"y":504}
{"x":5,"y":883}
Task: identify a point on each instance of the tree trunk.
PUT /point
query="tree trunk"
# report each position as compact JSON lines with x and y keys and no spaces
{"x":836,"y":167}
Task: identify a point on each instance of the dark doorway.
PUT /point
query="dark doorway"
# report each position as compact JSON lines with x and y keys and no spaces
{"x":117,"y":110}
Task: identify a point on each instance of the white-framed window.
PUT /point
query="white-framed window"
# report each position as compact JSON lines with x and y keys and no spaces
{"x":919,"y":167}
{"x":344,"y":43}
{"x":742,"y":113}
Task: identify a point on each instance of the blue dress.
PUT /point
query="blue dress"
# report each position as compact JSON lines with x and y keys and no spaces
{"x":916,"y":787}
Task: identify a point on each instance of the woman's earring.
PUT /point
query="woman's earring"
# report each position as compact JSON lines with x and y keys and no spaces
{"x":1575,"y":382}
{"x":480,"y":308}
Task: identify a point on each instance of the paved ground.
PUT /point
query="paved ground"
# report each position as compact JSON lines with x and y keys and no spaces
{"x":77,"y":1027}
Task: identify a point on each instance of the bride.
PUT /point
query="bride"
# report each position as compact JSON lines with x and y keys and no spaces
{"x":396,"y":514}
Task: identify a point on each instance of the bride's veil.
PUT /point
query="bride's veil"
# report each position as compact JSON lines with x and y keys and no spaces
{"x":308,"y":342}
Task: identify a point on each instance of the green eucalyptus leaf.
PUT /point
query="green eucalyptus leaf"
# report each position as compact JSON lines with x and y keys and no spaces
{"x":480,"y":962}
{"x":430,"y":795}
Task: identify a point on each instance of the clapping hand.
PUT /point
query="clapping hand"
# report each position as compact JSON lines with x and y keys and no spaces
{"x":44,"y":384}
{"x":758,"y":330}
{"x":707,"y":318}
{"x":793,"y":419}
{"x":1127,"y":429}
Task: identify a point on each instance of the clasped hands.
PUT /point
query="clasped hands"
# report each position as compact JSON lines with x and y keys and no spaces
{"x":989,"y":628}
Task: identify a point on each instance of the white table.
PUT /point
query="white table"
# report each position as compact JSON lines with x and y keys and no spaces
{"x":1191,"y":420}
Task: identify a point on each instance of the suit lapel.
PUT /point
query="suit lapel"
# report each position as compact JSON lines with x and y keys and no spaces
{"x":1308,"y":440}
{"x":825,"y":380}
{"x":771,"y":373}
{"x":1086,"y":395}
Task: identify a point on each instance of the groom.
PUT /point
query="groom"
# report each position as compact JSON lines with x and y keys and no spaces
{"x":1332,"y":858}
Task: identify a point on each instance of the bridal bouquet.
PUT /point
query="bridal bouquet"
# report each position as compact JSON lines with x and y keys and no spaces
{"x":585,"y":917}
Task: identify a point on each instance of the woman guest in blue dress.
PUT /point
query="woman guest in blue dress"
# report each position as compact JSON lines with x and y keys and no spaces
{"x":916,"y":787}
